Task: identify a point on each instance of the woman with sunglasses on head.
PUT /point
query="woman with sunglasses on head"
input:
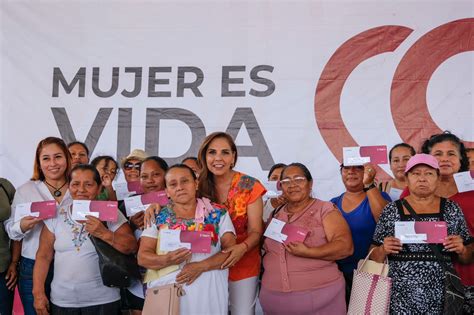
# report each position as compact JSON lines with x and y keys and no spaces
{"x":49,"y":182}
{"x":398,"y":158}
{"x":361,"y":205}
{"x":303,"y":277}
{"x":107,"y":168}
{"x":450,"y":153}
{"x":77,"y":286}
{"x":79,"y":153}
{"x":242,"y":197}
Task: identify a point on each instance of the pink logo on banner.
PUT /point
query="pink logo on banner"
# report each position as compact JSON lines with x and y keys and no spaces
{"x":408,"y":93}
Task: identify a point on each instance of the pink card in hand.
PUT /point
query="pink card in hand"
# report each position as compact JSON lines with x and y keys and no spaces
{"x":46,"y":209}
{"x":159,"y":197}
{"x":108,"y":210}
{"x":436,"y":231}
{"x":200,"y":240}
{"x":294,"y":233}
{"x":135,"y":187}
{"x":377,"y":153}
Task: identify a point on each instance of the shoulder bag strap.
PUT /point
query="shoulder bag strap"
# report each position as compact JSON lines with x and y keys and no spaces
{"x":433,"y":248}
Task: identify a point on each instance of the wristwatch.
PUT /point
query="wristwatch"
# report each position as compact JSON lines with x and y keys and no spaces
{"x":367,"y":188}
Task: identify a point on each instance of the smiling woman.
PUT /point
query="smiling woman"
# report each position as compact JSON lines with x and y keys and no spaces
{"x":302,"y":277}
{"x":77,"y":285}
{"x":49,"y":182}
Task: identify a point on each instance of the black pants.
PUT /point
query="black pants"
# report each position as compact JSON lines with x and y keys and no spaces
{"x":348,"y":277}
{"x":103,"y":309}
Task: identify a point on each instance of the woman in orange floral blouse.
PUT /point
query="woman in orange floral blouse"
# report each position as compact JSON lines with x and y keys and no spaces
{"x":242,"y":196}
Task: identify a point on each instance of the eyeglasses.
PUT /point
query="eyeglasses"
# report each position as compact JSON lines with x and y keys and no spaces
{"x":300,"y":180}
{"x":129,"y":165}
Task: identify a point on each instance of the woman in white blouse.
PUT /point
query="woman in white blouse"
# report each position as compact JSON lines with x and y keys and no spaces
{"x":77,"y":286}
{"x":49,"y":182}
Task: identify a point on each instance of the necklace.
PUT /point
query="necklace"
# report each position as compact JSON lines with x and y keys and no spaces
{"x":57,"y":191}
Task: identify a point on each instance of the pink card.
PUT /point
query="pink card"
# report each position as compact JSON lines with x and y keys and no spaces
{"x":159,"y":197}
{"x":108,"y":210}
{"x":436,"y":232}
{"x":421,"y":232}
{"x":200,"y":240}
{"x":294,"y":233}
{"x":40,"y":209}
{"x":135,"y":186}
{"x":377,"y":153}
{"x":46,"y":209}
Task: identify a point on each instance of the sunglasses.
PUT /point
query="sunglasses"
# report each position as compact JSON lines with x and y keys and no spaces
{"x":129,"y":166}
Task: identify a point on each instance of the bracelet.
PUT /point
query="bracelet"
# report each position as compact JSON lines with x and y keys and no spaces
{"x":369,"y":187}
{"x":246,"y":245}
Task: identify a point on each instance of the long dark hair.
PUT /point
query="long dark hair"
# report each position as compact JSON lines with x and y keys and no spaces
{"x":206,"y":185}
{"x":447,"y":136}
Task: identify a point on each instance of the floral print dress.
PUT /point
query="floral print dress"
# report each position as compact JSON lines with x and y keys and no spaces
{"x":208,"y":294}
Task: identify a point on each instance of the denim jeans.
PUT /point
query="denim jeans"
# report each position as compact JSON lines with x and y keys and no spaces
{"x":6,"y":296}
{"x":25,"y":284}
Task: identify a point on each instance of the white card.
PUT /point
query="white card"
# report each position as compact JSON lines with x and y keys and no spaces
{"x":464,"y":181}
{"x":272,"y":190}
{"x":24,"y":210}
{"x":80,"y":208}
{"x":134,"y":205}
{"x":405,"y":232}
{"x":273,"y":230}
{"x":170,"y":240}
{"x":351,"y":156}
{"x":121,"y":190}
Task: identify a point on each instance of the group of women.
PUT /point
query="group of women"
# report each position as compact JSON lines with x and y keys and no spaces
{"x":58,"y":266}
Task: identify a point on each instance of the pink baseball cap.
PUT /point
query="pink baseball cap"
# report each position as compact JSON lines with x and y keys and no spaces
{"x":422,"y":158}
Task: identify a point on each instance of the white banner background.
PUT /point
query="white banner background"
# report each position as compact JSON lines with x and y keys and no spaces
{"x":296,"y":38}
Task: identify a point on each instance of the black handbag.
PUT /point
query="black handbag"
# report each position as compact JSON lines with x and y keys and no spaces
{"x":453,"y":287}
{"x":116,"y":269}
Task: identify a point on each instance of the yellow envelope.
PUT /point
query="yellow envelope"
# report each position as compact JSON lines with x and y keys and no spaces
{"x":156,"y":274}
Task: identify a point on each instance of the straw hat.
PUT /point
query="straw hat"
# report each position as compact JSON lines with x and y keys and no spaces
{"x":136,"y":154}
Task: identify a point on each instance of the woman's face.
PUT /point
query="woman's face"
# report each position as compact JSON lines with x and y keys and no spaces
{"x":152,"y":177}
{"x":78,"y":155}
{"x":470,"y":157}
{"x":83,"y":186}
{"x":294,"y":184}
{"x":53,"y":162}
{"x":219,"y":157}
{"x":448,"y":156}
{"x":131,"y":170}
{"x":422,"y":180}
{"x":193,"y":165}
{"x":181,"y":186}
{"x":275,"y":175}
{"x":105,"y":167}
{"x":353,"y":177}
{"x":400,"y":157}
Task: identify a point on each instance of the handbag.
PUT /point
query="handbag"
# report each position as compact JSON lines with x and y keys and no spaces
{"x":370,"y":290}
{"x":163,"y":300}
{"x":116,"y":269}
{"x":453,"y":287}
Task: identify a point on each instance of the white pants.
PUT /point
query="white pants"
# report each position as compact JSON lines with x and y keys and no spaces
{"x":243,"y":296}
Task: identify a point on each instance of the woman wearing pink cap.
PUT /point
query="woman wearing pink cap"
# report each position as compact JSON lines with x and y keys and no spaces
{"x":450,"y":152}
{"x":417,"y":274}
